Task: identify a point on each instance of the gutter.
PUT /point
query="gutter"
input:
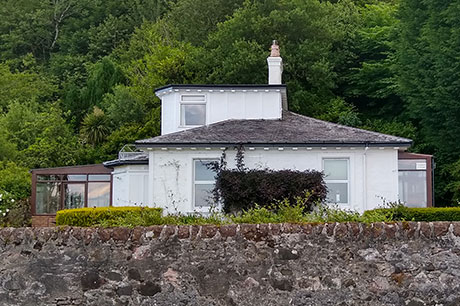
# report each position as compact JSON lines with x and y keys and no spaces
{"x":229,"y":144}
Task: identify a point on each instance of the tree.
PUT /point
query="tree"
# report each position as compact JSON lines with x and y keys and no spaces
{"x":372,"y":85}
{"x":154,"y":59}
{"x":22,"y":86}
{"x":195,"y":20}
{"x":122,"y":107}
{"x":315,"y":39}
{"x":15,"y":180}
{"x":429,"y":78}
{"x":95,"y":127}
{"x":42,"y":137}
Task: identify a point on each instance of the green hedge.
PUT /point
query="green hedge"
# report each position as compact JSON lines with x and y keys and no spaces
{"x":402,"y":213}
{"x":108,"y":216}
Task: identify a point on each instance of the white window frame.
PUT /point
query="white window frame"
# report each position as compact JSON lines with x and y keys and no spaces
{"x":195,"y":182}
{"x":347,"y":181}
{"x":199,"y":102}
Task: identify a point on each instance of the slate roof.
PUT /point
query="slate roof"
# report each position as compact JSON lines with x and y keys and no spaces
{"x":140,"y":159}
{"x":292,"y":129}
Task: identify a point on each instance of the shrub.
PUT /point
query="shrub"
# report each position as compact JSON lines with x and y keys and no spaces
{"x":428,"y":214}
{"x":15,"y":214}
{"x":15,"y":180}
{"x":109,"y":216}
{"x":241,"y":189}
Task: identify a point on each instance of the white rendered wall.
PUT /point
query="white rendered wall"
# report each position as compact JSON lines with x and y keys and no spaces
{"x":373,"y":172}
{"x":130,"y":185}
{"x":221,"y":105}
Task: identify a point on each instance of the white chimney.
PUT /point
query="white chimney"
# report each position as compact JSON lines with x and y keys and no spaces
{"x":275,"y":65}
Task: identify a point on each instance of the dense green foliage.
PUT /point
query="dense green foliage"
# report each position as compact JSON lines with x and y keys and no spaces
{"x":429,"y":214}
{"x":242,"y":189}
{"x":78,"y":77}
{"x":105,"y":215}
{"x":278,"y":212}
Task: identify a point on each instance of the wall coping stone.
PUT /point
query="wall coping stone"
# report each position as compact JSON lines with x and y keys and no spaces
{"x":252,"y":232}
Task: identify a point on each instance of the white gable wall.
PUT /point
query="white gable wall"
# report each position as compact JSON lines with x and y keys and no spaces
{"x":373,"y":173}
{"x":221,"y":104}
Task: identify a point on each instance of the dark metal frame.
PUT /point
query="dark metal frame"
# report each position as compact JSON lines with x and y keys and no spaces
{"x":429,"y":172}
{"x":98,"y":169}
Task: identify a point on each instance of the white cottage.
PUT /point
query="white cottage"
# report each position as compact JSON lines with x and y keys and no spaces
{"x":200,"y":122}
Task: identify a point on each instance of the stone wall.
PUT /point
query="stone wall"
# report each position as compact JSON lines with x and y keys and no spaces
{"x":314,"y":264}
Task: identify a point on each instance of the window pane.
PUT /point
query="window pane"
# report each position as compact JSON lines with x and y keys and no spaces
{"x":99,"y":177}
{"x":75,"y":177}
{"x":74,"y":196}
{"x":48,"y":177}
{"x":337,"y":193}
{"x":98,"y":194}
{"x":203,"y":195}
{"x":412,"y":164}
{"x":202,"y":172}
{"x":48,"y":198}
{"x":412,"y":188}
{"x":193,"y":98}
{"x":336,"y":169}
{"x":193,"y":114}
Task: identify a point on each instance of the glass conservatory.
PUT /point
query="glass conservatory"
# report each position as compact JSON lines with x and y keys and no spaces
{"x":54,"y":189}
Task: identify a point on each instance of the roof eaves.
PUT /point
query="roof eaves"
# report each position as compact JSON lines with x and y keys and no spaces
{"x":278,"y":144}
{"x":121,"y":162}
{"x":197,"y":86}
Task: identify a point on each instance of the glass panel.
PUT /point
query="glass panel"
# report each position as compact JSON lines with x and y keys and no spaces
{"x":337,"y":193}
{"x":412,"y":188}
{"x":193,"y":114}
{"x":203,"y":195}
{"x":48,"y":198}
{"x":75,"y":177}
{"x":412,"y":164}
{"x":336,"y":169}
{"x":74,"y":196}
{"x":99,"y":177}
{"x":202,"y":172}
{"x":193,"y":98}
{"x":48,"y":177}
{"x":98,"y":194}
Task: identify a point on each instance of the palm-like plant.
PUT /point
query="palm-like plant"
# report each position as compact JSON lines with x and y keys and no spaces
{"x":95,"y":127}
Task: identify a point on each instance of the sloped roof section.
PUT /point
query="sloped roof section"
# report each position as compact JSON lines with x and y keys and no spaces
{"x":292,"y":129}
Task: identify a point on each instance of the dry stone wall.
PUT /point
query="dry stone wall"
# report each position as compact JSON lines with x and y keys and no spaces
{"x":409,"y":263}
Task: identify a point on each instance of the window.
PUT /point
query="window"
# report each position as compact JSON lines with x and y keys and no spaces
{"x":55,"y":192}
{"x":48,"y":197}
{"x":74,"y":196}
{"x":204,"y":181}
{"x":98,"y":194}
{"x":413,"y":182}
{"x":336,"y":176}
{"x":193,"y":110}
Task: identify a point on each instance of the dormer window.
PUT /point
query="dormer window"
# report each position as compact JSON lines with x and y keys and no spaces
{"x":192,"y":110}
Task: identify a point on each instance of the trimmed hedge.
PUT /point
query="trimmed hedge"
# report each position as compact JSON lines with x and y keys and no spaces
{"x":241,"y":189}
{"x":106,"y":215}
{"x":402,"y":213}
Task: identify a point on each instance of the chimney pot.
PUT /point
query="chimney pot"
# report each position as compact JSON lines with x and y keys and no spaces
{"x":275,"y":65}
{"x":275,"y":49}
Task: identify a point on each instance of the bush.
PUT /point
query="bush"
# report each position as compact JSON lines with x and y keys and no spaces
{"x":279,"y":212}
{"x":15,"y":180}
{"x":402,"y":213}
{"x":109,"y":216}
{"x":15,"y":214}
{"x":241,"y":189}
